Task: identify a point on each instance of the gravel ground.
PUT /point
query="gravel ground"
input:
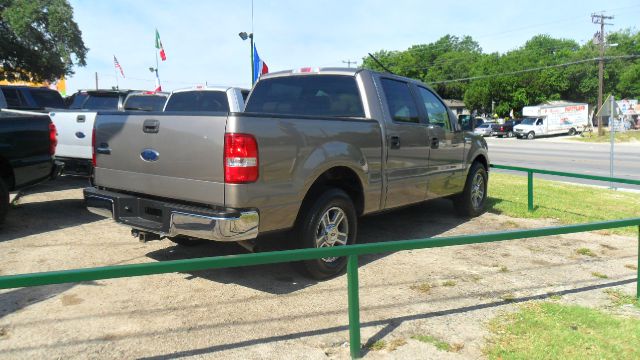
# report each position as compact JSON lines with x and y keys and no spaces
{"x":264,"y":312}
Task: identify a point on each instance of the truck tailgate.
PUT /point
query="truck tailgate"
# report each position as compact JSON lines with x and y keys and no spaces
{"x":172,"y":156}
{"x":74,"y":133}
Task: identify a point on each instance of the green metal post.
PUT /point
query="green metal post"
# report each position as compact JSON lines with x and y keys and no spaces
{"x":530,"y":190}
{"x":638,"y":268}
{"x":354,"y":306}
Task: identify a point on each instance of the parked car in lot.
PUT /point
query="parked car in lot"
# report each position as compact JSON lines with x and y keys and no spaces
{"x":75,"y":127}
{"x":506,"y":129}
{"x":314,"y":149}
{"x":145,"y":101}
{"x":486,"y":129}
{"x":27,"y":148}
{"x":29,"y":98}
{"x":207,"y":98}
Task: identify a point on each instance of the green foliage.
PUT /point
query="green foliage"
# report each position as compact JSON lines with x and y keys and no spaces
{"x":38,"y":40}
{"x":453,"y":57}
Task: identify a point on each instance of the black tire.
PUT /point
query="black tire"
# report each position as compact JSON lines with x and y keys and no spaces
{"x":467,"y":204}
{"x":572,"y":132}
{"x":531,"y":135}
{"x":4,"y":201}
{"x":329,"y":203}
{"x":186,"y":241}
{"x":500,"y":136}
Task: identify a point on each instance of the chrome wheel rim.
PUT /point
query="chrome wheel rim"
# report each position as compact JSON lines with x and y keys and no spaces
{"x":477,"y":190}
{"x":332,"y":230}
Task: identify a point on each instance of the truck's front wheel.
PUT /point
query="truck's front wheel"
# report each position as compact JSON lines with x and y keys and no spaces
{"x":330,"y":221}
{"x":531,"y":135}
{"x":472,"y":200}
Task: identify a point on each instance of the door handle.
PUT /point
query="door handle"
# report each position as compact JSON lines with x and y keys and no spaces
{"x":394,"y":142}
{"x":80,"y":118}
{"x":435,"y":143}
{"x":151,"y":126}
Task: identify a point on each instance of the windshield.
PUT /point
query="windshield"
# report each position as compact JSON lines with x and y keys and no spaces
{"x":528,"y":121}
{"x":145,"y":102}
{"x":310,"y":95}
{"x":47,"y":98}
{"x":78,"y":99}
{"x":198,"y":100}
{"x":101,"y":102}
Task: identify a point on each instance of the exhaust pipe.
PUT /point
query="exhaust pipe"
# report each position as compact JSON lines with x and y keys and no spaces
{"x":144,"y":236}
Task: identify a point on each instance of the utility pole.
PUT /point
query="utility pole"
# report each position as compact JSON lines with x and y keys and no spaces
{"x":600,"y":19}
{"x":349,"y":62}
{"x":96,"y":80}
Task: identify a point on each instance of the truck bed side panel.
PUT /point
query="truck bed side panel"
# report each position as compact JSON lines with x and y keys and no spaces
{"x":188,"y":161}
{"x":294,"y":152}
{"x":74,"y":133}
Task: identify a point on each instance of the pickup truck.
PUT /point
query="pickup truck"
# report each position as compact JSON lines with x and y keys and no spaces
{"x":75,"y":127}
{"x":27,"y":148}
{"x":313,"y":150}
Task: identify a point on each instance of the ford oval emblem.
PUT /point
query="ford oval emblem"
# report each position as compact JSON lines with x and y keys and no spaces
{"x":80,"y":135}
{"x":149,"y":155}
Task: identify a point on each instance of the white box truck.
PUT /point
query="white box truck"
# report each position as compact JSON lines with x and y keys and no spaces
{"x":541,"y":120}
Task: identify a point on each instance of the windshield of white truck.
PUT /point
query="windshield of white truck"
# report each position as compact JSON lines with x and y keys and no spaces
{"x":145,"y":102}
{"x":198,"y":100}
{"x":309,"y":95}
{"x":528,"y":121}
{"x":101,"y":102}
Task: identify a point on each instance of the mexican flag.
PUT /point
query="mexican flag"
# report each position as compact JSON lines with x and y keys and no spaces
{"x":163,"y":56}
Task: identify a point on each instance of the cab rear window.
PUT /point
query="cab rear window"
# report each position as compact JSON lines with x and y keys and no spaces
{"x":307,"y":95}
{"x":198,"y":100}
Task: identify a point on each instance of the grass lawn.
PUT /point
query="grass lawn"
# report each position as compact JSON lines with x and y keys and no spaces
{"x":628,"y":136}
{"x":553,"y":331}
{"x":569,"y":203}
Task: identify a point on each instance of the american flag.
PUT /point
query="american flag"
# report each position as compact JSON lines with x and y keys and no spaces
{"x":117,"y":65}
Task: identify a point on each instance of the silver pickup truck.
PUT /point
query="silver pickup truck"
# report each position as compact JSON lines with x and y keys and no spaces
{"x":313,"y":150}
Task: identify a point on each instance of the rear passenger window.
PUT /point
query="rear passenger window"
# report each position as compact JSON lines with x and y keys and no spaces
{"x":402,"y":108}
{"x":436,"y":111}
{"x":13,"y":98}
{"x":310,"y":95}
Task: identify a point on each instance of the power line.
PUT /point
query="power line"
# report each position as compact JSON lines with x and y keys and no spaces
{"x":537,"y":68}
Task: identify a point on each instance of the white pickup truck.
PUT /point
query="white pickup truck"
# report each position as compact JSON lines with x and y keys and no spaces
{"x":75,"y":127}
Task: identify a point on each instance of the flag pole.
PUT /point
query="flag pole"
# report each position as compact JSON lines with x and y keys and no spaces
{"x":115,"y":72}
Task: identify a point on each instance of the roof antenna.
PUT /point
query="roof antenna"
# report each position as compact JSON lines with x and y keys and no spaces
{"x":379,"y":63}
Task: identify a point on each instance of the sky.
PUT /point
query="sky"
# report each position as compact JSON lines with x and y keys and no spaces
{"x":202,"y":44}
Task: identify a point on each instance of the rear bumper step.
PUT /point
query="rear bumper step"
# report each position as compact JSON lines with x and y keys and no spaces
{"x":166,"y":219}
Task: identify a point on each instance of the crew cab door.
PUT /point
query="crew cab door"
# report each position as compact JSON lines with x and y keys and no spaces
{"x":407,"y":148}
{"x":446,"y":173}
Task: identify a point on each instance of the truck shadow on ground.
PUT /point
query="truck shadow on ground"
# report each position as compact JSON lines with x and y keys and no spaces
{"x":31,"y":216}
{"x":419,"y":221}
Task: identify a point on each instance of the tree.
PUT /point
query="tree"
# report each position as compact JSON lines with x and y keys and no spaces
{"x":39,"y":40}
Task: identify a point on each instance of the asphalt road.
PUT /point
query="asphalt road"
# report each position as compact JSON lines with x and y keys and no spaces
{"x":561,"y":154}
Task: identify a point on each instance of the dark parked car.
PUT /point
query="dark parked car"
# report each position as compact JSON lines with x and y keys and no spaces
{"x":29,"y":98}
{"x":505,"y":129}
{"x":27,"y":148}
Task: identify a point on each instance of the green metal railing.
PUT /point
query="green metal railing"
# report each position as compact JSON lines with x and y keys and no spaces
{"x":352,"y":252}
{"x":531,"y":171}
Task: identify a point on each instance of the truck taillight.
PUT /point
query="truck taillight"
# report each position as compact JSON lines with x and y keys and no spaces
{"x":93,"y":147}
{"x":53,"y":138}
{"x":240,"y":158}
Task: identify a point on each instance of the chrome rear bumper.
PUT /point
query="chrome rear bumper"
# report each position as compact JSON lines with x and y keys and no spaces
{"x":167,"y":219}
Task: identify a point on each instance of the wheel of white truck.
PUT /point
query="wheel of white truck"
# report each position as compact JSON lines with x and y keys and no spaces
{"x":572,"y":132}
{"x":330,"y":221}
{"x":531,"y":135}
{"x":472,"y":200}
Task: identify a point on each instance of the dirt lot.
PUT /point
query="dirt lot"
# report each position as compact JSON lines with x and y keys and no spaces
{"x":270,"y":311}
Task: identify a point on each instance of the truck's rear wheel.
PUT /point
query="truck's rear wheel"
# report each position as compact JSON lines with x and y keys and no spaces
{"x":531,"y":135}
{"x":330,"y":221}
{"x":472,"y":200}
{"x":510,"y":134}
{"x":4,"y":200}
{"x":572,"y":132}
